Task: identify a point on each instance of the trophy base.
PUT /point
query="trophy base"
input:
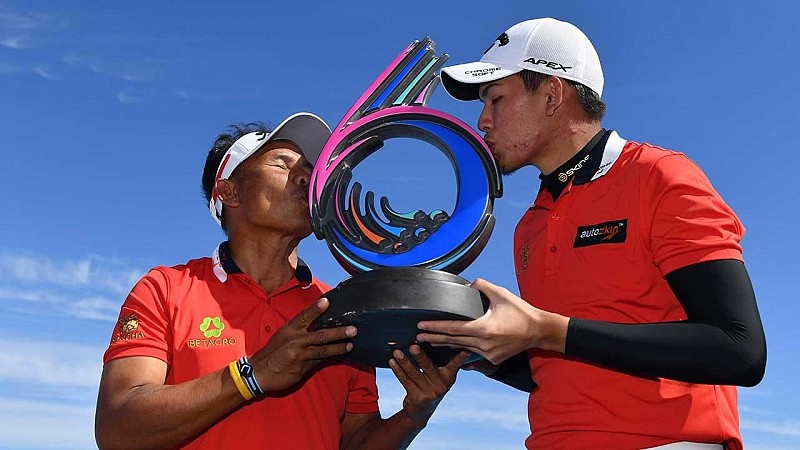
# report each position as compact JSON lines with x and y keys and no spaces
{"x":386,"y":304}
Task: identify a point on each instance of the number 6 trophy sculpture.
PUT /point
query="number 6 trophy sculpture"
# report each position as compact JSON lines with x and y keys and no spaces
{"x":404,"y":265}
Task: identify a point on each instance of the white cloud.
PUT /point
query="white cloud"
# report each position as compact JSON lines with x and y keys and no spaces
{"x":15,"y":42}
{"x":474,"y":402}
{"x":183,"y":94}
{"x":71,"y":59}
{"x":19,"y":30}
{"x":466,"y":439}
{"x":52,"y":364}
{"x":54,"y":303}
{"x":133,"y":69}
{"x":127,"y":76}
{"x":49,"y":389}
{"x":761,"y":446}
{"x":758,"y":391}
{"x":746,"y":410}
{"x":95,"y":271}
{"x":127,"y":97}
{"x":87,"y":288}
{"x":29,"y":424}
{"x":779,"y":427}
{"x":10,"y":20}
{"x":44,"y":72}
{"x":32,"y":269}
{"x":477,"y":413}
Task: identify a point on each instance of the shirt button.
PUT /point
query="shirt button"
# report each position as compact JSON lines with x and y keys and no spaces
{"x":267,"y":328}
{"x":556,"y":217}
{"x":553,"y":249}
{"x":269,"y":301}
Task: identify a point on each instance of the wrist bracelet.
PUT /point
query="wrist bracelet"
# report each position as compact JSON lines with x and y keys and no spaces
{"x":248,"y":374}
{"x":237,"y":380}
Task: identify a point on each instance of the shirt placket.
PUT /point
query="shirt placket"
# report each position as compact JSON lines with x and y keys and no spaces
{"x":266,"y":324}
{"x":269,"y":314}
{"x":555,"y":231}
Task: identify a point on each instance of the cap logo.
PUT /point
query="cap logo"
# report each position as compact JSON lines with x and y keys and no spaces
{"x":262,"y":135}
{"x":482,"y":72}
{"x":550,"y":64}
{"x":503,"y":39}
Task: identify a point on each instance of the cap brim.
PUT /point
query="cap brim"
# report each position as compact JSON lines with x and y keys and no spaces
{"x":307,"y":131}
{"x":462,"y":81}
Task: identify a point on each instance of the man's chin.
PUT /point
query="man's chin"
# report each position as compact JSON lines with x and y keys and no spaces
{"x":505,"y":170}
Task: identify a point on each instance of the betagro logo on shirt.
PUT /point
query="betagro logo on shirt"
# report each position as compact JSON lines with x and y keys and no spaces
{"x":212,"y":328}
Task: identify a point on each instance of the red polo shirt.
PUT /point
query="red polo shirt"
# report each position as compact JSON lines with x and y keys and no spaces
{"x":199,"y":317}
{"x":600,"y":251}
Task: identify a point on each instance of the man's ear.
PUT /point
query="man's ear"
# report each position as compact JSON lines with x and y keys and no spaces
{"x":555,"y":94}
{"x":228,"y":193}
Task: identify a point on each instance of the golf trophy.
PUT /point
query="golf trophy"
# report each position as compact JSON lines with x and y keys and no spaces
{"x":403,"y":264}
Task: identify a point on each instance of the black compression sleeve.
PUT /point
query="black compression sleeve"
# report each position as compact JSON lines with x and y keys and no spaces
{"x":722,"y":342}
{"x":515,"y":372}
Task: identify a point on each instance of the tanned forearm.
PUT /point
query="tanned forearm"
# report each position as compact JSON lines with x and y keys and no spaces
{"x":393,"y":433}
{"x":165,"y":416}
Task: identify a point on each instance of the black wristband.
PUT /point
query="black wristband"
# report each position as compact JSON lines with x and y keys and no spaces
{"x":249,"y":376}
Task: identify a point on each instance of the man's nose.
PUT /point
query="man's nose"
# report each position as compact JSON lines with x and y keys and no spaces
{"x":302,"y":176}
{"x":484,"y":121}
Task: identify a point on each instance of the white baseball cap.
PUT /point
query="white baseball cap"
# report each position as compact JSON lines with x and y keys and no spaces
{"x":547,"y":46}
{"x":307,"y":131}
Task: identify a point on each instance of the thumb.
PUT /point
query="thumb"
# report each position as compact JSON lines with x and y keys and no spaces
{"x":492,"y":291}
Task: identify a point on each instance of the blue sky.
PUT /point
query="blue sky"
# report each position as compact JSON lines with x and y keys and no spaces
{"x":108,"y":110}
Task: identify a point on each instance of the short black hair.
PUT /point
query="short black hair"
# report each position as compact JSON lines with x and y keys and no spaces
{"x":221,"y":145}
{"x":591,"y":103}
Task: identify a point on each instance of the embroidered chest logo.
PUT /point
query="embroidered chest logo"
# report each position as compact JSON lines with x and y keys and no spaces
{"x":127,"y":328}
{"x":522,"y":262}
{"x":212,"y":328}
{"x":613,"y":232}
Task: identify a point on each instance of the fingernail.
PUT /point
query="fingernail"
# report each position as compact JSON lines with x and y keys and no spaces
{"x":399,"y":355}
{"x":351,"y":331}
{"x":414,"y":350}
{"x":392,"y":363}
{"x":348,"y":347}
{"x":322,"y":302}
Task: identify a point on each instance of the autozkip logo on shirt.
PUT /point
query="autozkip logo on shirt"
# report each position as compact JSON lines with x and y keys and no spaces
{"x":611,"y":232}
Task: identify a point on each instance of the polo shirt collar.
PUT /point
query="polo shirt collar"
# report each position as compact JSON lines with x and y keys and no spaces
{"x":579,"y":164}
{"x":602,"y":159}
{"x":593,"y":161}
{"x":224,"y":265}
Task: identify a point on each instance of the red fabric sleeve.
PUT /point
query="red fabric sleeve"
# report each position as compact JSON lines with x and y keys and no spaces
{"x":691,"y":223}
{"x":143,"y":325}
{"x":363,"y":395}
